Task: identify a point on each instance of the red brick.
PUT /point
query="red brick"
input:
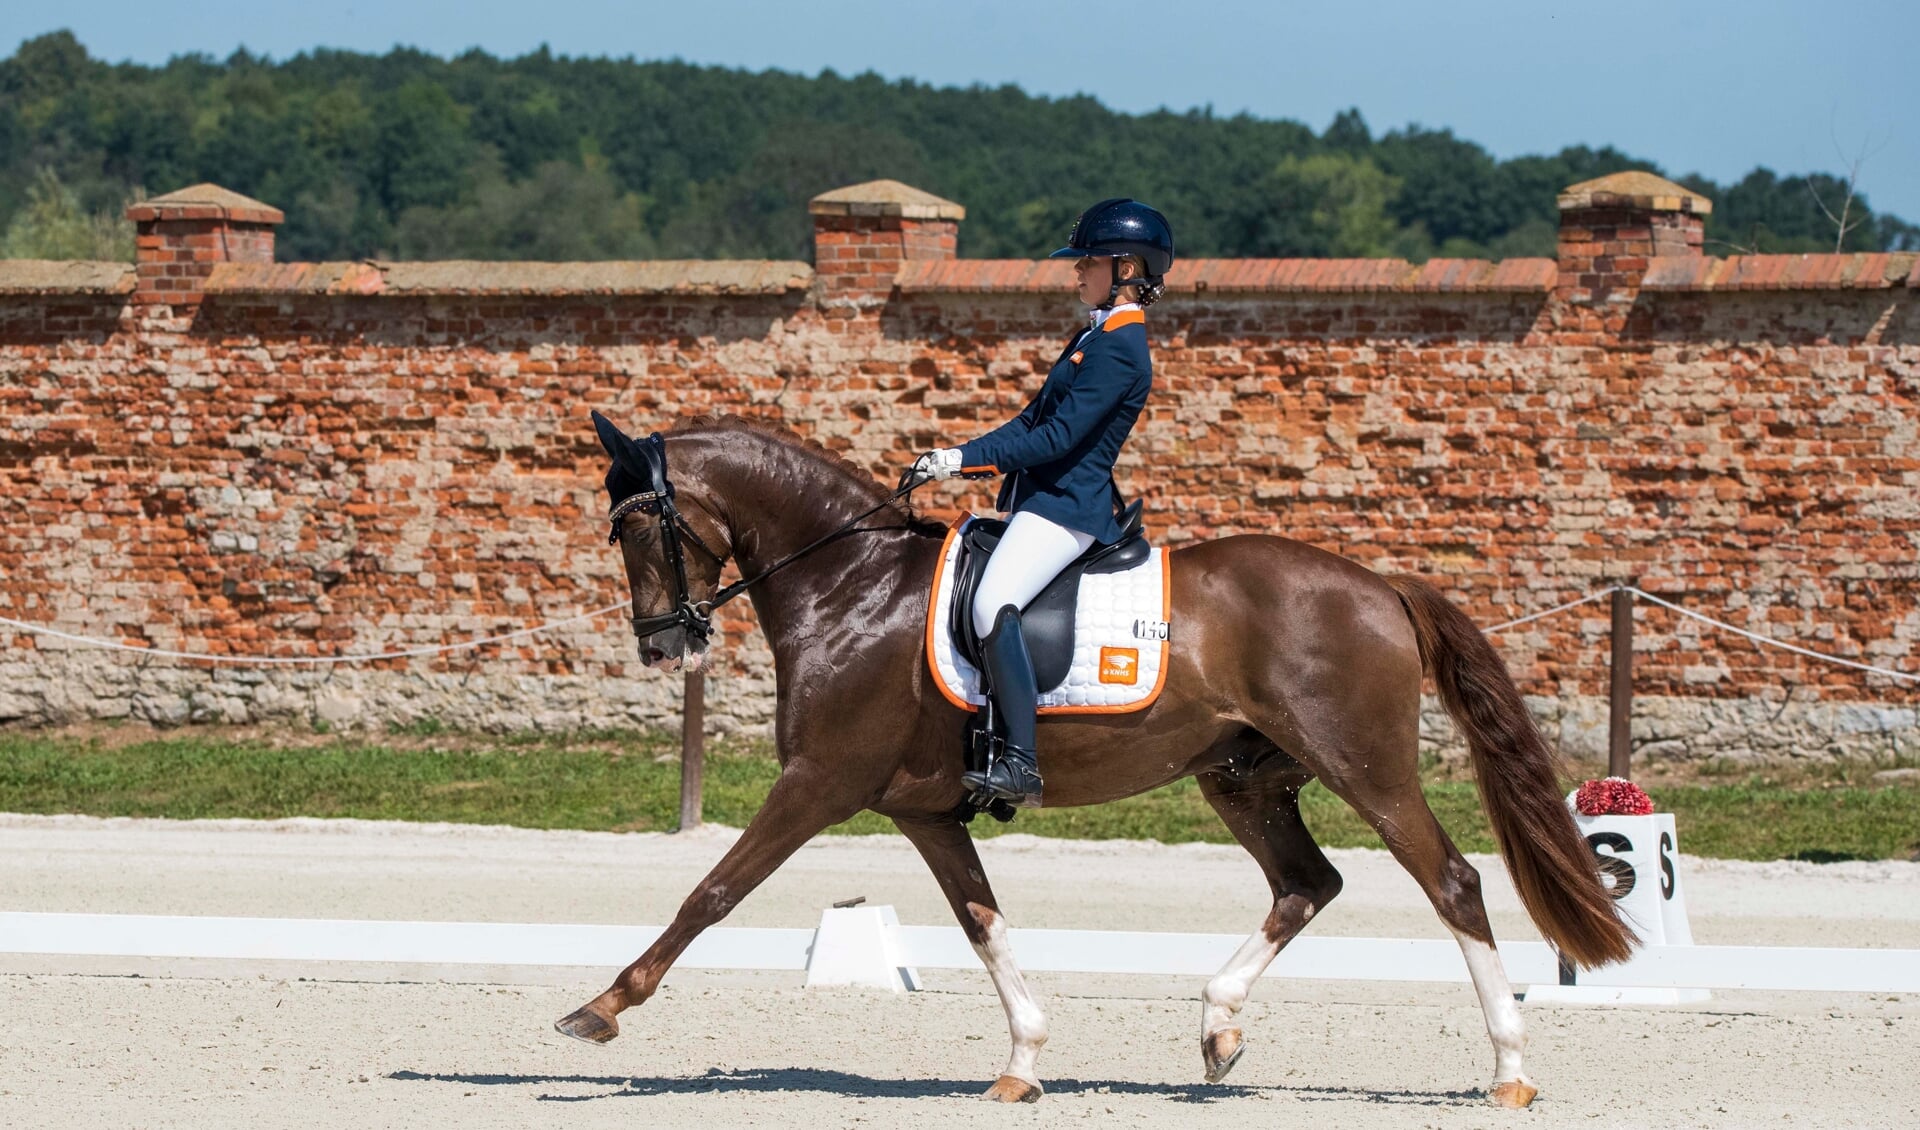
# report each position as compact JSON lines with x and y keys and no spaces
{"x":1463,"y":421}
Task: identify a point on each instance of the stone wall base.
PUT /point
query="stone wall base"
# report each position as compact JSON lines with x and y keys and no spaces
{"x":77,"y":687}
{"x":54,"y":688}
{"x":1743,"y":730}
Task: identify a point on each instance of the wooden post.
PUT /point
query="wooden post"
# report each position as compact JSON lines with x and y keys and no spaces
{"x":693,"y":748}
{"x":1620,"y":693}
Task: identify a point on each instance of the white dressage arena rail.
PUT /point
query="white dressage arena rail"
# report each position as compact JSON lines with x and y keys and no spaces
{"x":867,"y":946}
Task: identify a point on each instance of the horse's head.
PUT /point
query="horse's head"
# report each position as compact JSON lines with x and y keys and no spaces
{"x":672,"y":544}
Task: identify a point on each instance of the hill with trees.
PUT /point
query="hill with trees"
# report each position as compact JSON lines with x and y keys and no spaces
{"x":411,"y":156}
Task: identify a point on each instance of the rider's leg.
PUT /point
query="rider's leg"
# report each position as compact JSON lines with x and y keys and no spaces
{"x":1031,"y":554}
{"x":1014,"y":775}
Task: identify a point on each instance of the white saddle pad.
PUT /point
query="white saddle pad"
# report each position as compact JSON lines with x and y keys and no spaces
{"x":1119,"y":640}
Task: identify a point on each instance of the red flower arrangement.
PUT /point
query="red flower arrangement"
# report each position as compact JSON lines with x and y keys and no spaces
{"x":1612,"y":796}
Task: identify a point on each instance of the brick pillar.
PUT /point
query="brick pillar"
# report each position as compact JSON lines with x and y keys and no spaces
{"x":181,"y":236}
{"x":864,"y":232}
{"x":1611,"y":227}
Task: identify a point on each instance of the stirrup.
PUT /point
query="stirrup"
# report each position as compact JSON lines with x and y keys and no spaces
{"x":1013,"y":777}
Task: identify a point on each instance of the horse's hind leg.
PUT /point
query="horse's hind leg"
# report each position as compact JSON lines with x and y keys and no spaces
{"x":1400,"y":814}
{"x":948,"y":849}
{"x":1264,"y":815}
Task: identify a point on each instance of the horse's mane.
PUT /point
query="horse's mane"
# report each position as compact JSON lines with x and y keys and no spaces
{"x":854,"y":475}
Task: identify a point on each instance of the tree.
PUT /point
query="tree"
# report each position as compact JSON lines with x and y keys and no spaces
{"x":564,"y":212}
{"x":369,"y":153}
{"x":1348,"y":131}
{"x":1447,"y":185}
{"x":1328,"y":204}
{"x":49,"y":66}
{"x":420,"y":146}
{"x":53,"y":225}
{"x":1891,"y":233}
{"x":1764,"y":213}
{"x":762,"y":205}
{"x":1847,"y":221}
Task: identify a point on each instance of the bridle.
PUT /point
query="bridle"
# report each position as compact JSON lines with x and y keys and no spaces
{"x":696,"y":616}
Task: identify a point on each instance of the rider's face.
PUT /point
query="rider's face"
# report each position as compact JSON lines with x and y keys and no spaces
{"x":1095,"y":278}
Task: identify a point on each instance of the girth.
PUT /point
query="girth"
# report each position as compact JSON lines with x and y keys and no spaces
{"x":1046,"y":621}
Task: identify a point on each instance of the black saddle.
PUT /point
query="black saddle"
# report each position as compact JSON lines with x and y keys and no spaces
{"x":1047,"y":622}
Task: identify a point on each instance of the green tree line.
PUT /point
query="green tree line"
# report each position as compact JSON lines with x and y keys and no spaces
{"x":408,"y":155}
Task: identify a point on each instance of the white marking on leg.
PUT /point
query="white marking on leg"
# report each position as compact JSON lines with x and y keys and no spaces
{"x":1025,"y":1022}
{"x":1226,"y":994}
{"x":1504,"y":1026}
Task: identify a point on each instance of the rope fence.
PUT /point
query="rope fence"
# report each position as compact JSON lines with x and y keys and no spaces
{"x":553,"y":625}
{"x":309,"y":660}
{"x":693,"y":741}
{"x":1756,"y":637}
{"x":1587,"y":599}
{"x":1771,"y":642}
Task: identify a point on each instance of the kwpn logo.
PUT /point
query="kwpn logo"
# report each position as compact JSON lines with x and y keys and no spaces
{"x":1120,"y":665}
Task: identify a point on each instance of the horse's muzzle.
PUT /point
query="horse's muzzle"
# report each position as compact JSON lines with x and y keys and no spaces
{"x":667,"y":650}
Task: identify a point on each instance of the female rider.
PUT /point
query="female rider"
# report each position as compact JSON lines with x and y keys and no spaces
{"x":1057,"y":456}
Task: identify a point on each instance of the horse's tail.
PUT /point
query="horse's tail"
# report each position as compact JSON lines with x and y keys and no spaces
{"x":1552,"y":867}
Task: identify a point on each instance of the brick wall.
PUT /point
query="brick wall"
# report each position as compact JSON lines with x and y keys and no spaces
{"x":299,"y":459}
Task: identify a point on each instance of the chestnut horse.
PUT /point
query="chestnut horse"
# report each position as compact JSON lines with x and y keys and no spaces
{"x":1288,"y":663}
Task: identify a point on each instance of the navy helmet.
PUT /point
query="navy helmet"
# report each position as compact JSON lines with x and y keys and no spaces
{"x":1120,"y":226}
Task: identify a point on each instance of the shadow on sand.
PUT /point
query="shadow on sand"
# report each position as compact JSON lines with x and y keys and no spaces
{"x":776,"y":1080}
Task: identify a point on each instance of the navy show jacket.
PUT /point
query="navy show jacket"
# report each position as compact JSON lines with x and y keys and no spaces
{"x":1058,"y":453}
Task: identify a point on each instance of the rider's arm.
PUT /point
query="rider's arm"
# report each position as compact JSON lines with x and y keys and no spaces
{"x":1099,"y":383}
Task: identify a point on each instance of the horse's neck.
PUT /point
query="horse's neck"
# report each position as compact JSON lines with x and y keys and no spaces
{"x":778,"y":503}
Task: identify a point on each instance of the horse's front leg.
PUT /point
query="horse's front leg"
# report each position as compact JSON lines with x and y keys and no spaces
{"x":948,"y":849}
{"x":803,"y":802}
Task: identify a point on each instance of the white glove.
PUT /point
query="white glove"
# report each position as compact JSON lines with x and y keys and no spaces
{"x":940,"y":463}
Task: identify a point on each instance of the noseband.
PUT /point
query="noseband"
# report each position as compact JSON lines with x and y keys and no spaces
{"x":696,"y":617}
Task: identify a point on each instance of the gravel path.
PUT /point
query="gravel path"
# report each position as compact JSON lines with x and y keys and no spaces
{"x":212,"y":1044}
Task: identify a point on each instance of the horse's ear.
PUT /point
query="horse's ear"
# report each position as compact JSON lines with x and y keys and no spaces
{"x":611,"y":437}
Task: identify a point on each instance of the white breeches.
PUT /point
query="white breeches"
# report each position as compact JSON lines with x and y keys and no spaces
{"x":1031,"y":554}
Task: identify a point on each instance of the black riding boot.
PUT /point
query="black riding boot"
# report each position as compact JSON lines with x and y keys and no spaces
{"x":1013,"y":776}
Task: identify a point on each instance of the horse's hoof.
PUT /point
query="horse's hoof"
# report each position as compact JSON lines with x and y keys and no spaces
{"x":1515,"y":1094}
{"x":1221,"y":1051}
{"x":587,"y":1026}
{"x":1008,"y":1089}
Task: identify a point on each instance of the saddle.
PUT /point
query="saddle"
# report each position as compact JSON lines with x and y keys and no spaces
{"x":1047,"y":622}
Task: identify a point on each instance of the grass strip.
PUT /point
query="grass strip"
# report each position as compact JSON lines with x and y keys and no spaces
{"x":632,"y":784}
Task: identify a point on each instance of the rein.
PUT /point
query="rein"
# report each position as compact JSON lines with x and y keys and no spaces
{"x":696,"y":617}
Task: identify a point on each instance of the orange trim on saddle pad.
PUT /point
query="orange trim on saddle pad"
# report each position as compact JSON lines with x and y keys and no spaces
{"x":933,"y":618}
{"x":1123,"y":318}
{"x":1110,"y":657}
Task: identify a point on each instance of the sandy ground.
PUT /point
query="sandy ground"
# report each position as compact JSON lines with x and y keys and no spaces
{"x":209,"y":1044}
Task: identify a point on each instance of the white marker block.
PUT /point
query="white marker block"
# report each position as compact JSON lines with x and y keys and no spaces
{"x":854,"y":946}
{"x":1639,"y":858}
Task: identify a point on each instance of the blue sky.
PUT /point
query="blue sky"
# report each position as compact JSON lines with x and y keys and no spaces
{"x":1711,"y":86}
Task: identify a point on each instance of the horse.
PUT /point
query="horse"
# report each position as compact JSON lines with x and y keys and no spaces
{"x":1288,"y":664}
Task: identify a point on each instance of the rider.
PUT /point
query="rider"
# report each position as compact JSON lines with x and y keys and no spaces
{"x":1057,"y":456}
